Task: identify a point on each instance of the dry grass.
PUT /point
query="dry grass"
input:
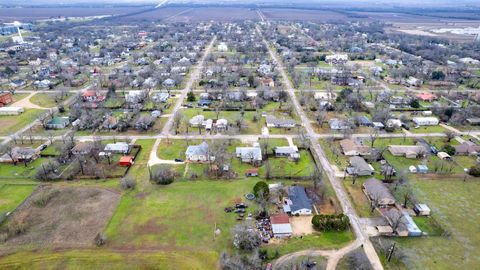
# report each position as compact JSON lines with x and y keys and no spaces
{"x":62,"y":217}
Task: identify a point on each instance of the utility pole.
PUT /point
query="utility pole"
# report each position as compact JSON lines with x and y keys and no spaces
{"x":390,"y":252}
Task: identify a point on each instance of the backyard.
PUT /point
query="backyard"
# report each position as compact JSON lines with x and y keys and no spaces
{"x":455,"y":206}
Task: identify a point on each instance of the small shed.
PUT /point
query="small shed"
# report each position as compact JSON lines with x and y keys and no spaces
{"x":251,"y":172}
{"x":126,"y":161}
{"x":422,"y":169}
{"x":421,"y":209}
{"x":444,"y":156}
{"x":384,"y":230}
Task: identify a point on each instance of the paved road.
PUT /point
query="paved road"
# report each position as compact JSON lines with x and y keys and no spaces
{"x":188,"y":86}
{"x":362,"y":237}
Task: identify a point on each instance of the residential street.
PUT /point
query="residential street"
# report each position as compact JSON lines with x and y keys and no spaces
{"x":362,"y":237}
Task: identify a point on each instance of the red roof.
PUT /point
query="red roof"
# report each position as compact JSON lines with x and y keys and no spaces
{"x":89,"y":93}
{"x":426,"y":96}
{"x":126,"y":159}
{"x":279,"y":219}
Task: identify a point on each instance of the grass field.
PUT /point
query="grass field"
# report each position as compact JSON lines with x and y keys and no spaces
{"x":12,"y":195}
{"x":455,"y":206}
{"x":20,"y":171}
{"x":186,"y":216}
{"x":107,"y":259}
{"x":45,"y":100}
{"x":428,"y":129}
{"x":12,"y":123}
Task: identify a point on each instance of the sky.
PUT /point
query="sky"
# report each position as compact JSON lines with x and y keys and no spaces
{"x":350,"y":2}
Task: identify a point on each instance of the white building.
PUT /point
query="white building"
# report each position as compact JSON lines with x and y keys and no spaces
{"x":222,"y":47}
{"x":425,"y":121}
{"x":118,"y":147}
{"x":11,"y":110}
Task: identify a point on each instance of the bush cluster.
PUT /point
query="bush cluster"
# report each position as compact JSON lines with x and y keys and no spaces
{"x":324,"y":223}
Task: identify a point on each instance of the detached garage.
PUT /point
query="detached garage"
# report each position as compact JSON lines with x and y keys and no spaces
{"x":281,"y":225}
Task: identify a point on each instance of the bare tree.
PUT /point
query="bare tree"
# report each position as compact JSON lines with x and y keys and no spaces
{"x":177,"y":120}
{"x":8,"y":150}
{"x":245,"y":237}
{"x":395,"y":218}
{"x":450,"y":135}
{"x":373,"y":137}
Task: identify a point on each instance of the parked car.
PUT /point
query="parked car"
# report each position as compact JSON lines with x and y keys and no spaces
{"x":241,"y":205}
{"x":178,"y":160}
{"x":239,"y":210}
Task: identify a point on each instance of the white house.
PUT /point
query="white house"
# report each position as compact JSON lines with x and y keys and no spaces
{"x":222,"y":47}
{"x":197,"y":120}
{"x":198,"y":153}
{"x":425,"y":121}
{"x":298,"y":202}
{"x":135,"y":96}
{"x":336,"y":58}
{"x":394,"y":123}
{"x":118,"y":147}
{"x":249,"y":154}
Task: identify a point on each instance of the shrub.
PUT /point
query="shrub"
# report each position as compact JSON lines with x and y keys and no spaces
{"x":100,"y":239}
{"x":42,"y":199}
{"x":18,"y":225}
{"x":261,"y":186}
{"x":474,"y":171}
{"x":447,"y":148}
{"x":190,"y":96}
{"x":163,"y":176}
{"x":128,"y":183}
{"x":338,"y":222}
{"x":415,"y":104}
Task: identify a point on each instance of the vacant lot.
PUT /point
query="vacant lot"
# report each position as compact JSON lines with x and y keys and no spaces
{"x":181,"y":216}
{"x":12,"y":123}
{"x":63,"y":216}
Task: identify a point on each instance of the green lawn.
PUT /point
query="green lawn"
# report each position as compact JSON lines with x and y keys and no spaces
{"x":170,"y":149}
{"x":456,"y":207}
{"x":12,"y":195}
{"x":428,"y":129}
{"x":284,"y":167}
{"x":101,"y":258}
{"x":45,"y":100}
{"x":181,"y":216}
{"x":20,"y":171}
{"x":12,"y":123}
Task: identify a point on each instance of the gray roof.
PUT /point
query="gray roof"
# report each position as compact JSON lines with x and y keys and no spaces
{"x":299,"y":198}
{"x":254,"y":153}
{"x":201,"y":149}
{"x":376,"y":189}
{"x":279,"y":122}
{"x":359,"y":164}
